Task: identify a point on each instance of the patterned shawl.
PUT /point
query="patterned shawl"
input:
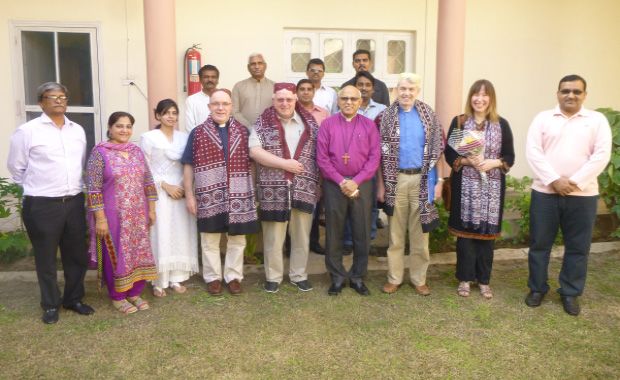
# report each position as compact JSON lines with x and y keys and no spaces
{"x":389,"y":129}
{"x":279,"y":190}
{"x":479,"y":202}
{"x":224,"y":193}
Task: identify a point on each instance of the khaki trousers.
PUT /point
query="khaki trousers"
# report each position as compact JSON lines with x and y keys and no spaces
{"x":274,"y":234}
{"x":407,"y":216}
{"x":211,"y":259}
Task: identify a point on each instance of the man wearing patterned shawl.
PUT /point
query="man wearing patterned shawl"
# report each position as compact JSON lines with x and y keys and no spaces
{"x":217,"y":169}
{"x":283,"y":143}
{"x":412,"y":142}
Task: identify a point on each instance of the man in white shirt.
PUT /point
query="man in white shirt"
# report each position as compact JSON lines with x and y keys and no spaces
{"x":567,"y":148}
{"x":46,"y":158}
{"x":283,"y":144}
{"x":197,"y":105}
{"x":324,"y":97}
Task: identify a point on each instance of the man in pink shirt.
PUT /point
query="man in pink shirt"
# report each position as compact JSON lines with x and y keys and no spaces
{"x":567,"y":148}
{"x":348,"y":153}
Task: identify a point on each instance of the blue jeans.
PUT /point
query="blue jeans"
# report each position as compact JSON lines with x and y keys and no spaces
{"x":348,"y":239}
{"x":575,"y":216}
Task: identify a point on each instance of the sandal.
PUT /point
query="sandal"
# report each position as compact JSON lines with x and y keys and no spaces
{"x":124,"y":307}
{"x":486,"y":291}
{"x":463,"y":290}
{"x":139,"y":303}
{"x":178,"y":287}
{"x":159,"y":292}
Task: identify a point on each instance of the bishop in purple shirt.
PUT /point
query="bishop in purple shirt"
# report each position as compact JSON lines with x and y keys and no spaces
{"x":348,"y":154}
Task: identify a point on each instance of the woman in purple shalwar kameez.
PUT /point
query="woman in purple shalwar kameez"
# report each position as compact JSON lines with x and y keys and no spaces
{"x":121,"y":207}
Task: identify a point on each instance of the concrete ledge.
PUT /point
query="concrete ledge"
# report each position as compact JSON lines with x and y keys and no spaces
{"x":316,"y":263}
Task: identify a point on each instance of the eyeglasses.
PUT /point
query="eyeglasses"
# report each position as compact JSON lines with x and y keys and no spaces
{"x":567,"y":91}
{"x":285,"y":100}
{"x":218,"y":105}
{"x":346,"y":99}
{"x":56,"y":97}
{"x":316,"y":70}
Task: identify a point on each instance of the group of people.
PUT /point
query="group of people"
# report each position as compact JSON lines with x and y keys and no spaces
{"x":265,"y":154}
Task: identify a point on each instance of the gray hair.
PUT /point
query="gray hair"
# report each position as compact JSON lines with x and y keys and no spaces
{"x":255,"y":55}
{"x":50,"y":86}
{"x":358,"y":91}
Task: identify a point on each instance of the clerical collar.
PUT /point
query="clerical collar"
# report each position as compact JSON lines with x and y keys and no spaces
{"x":404,"y":110}
{"x":348,"y":119}
{"x":222,"y":125}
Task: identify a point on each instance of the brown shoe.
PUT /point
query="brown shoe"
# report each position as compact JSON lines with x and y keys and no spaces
{"x":234,"y":287}
{"x":422,"y":290}
{"x":390,"y":288}
{"x":215,"y":288}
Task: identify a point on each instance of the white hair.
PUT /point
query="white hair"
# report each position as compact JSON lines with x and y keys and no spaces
{"x":255,"y":55}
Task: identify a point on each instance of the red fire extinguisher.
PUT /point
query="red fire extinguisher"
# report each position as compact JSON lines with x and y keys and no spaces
{"x":192,"y":66}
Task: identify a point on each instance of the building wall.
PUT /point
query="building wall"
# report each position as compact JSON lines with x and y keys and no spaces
{"x":523,"y":46}
{"x":117,"y":38}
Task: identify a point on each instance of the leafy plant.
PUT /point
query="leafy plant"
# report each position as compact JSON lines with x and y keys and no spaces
{"x":520,"y":202}
{"x":441,"y":240}
{"x":609,"y":179}
{"x":14,"y":244}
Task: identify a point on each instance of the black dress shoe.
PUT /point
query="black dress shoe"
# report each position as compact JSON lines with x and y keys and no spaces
{"x":571,"y":306}
{"x":534,"y":299}
{"x":81,"y":308}
{"x":50,"y":316}
{"x":348,"y":249}
{"x":316,"y":248}
{"x":360,"y":288}
{"x":335,"y":289}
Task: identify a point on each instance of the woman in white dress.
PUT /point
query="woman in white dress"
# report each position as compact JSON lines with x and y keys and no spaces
{"x":173,"y":237}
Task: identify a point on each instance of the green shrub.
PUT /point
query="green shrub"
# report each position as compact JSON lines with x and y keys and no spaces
{"x":609,"y":179}
{"x":14,"y":245}
{"x":441,"y":240}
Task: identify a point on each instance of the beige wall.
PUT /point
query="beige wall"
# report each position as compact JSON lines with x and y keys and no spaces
{"x":117,"y":64}
{"x":523,"y":46}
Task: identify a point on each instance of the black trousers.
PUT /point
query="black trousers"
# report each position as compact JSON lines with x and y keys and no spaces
{"x":314,"y":231}
{"x":575,"y":215}
{"x":338,"y":208}
{"x":53,"y":223}
{"x":474,"y":260}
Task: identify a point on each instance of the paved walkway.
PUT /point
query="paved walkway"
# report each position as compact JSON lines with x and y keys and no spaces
{"x":316,"y":263}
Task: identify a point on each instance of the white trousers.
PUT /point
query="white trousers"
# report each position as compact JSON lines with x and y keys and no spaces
{"x":274,"y":234}
{"x":211,"y":259}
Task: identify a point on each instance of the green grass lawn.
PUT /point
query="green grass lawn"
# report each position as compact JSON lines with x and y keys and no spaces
{"x":295,"y":335}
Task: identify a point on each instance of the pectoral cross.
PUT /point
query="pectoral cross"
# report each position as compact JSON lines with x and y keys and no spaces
{"x":346,"y":157}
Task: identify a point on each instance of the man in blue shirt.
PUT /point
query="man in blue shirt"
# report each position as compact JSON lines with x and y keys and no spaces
{"x":412,"y":142}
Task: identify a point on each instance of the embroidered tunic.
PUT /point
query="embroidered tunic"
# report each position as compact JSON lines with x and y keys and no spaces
{"x":121,"y":187}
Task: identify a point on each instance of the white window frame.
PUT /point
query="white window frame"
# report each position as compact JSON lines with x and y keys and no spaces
{"x":19,"y":92}
{"x":381,"y":38}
